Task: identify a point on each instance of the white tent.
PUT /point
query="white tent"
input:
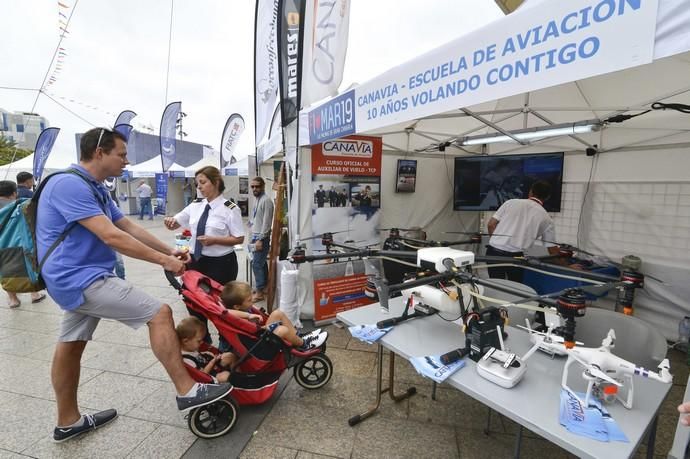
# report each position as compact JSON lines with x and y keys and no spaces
{"x":212,"y":159}
{"x":150,"y":168}
{"x":26,"y":164}
{"x":631,"y":197}
{"x":240,"y":168}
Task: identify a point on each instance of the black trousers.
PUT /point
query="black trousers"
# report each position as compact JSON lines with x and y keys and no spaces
{"x":220,"y":269}
{"x":507,"y":272}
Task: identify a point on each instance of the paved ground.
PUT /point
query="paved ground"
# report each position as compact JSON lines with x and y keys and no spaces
{"x":120,"y":371}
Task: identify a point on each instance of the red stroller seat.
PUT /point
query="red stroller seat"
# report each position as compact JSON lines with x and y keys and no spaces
{"x":262,"y":358}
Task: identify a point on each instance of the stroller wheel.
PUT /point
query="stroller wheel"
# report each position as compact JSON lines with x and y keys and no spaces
{"x":215,"y":419}
{"x":314,"y":372}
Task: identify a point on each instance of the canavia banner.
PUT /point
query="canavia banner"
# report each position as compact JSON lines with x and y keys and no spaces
{"x":265,"y":65}
{"x":533,"y":48}
{"x":167,"y":134}
{"x":289,"y":49}
{"x":234,"y":127}
{"x":326,"y":27}
{"x":44,"y":146}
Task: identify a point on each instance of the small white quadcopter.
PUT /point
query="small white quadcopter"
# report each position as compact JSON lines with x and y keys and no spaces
{"x":605,"y":373}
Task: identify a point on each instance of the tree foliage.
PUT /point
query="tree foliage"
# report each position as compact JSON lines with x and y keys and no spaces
{"x":8,"y":151}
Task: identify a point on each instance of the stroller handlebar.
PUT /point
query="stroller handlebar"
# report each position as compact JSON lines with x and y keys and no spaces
{"x":172,"y":280}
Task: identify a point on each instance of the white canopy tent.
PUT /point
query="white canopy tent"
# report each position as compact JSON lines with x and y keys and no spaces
{"x":150,"y":168}
{"x":639,"y":198}
{"x":26,"y":164}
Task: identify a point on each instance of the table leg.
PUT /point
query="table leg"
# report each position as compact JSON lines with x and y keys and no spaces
{"x":433,"y":390}
{"x":488,"y":423}
{"x":391,"y":379}
{"x":651,"y":439}
{"x":379,"y":390}
{"x":518,"y":443}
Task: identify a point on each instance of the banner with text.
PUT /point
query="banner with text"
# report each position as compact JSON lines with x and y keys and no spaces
{"x":265,"y":65}
{"x":346,"y":201}
{"x":234,"y":127}
{"x":326,"y":27}
{"x":531,"y":49}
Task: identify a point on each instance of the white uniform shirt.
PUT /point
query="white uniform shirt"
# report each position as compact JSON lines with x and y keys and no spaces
{"x":222,"y":221}
{"x":520,"y":223}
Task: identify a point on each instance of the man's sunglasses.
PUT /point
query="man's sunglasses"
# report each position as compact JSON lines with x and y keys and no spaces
{"x":100,"y":136}
{"x":254,"y":186}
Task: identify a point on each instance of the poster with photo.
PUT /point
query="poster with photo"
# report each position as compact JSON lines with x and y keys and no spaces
{"x":346,"y":201}
{"x":407,"y":176}
{"x":244,"y":185}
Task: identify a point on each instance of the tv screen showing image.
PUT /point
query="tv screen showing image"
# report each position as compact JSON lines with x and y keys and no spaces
{"x":485,"y":182}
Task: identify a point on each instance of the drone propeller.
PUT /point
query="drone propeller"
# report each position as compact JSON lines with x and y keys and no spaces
{"x":321,"y":236}
{"x":596,"y":290}
{"x":555,"y":338}
{"x":475,"y":233}
{"x":594,"y":370}
{"x":571,"y":248}
{"x":395,"y":228}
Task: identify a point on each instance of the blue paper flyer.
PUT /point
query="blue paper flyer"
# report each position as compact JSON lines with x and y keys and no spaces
{"x":368,"y":333}
{"x":592,"y":422}
{"x":431,"y":367}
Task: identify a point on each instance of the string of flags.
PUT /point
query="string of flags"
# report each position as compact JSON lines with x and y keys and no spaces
{"x":63,"y":19}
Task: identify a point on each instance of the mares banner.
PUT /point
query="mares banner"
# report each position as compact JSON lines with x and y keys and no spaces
{"x":346,"y":201}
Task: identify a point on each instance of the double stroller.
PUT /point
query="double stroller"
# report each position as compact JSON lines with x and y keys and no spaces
{"x":261,"y":358}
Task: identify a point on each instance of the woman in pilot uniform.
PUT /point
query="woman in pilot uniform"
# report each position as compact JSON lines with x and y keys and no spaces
{"x":216,"y":226}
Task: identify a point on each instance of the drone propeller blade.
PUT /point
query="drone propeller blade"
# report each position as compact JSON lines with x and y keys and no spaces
{"x":320,"y":236}
{"x":598,"y":373}
{"x":394,"y":228}
{"x":475,"y":233}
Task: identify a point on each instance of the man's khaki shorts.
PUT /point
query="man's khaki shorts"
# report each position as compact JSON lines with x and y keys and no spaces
{"x":108,"y":298}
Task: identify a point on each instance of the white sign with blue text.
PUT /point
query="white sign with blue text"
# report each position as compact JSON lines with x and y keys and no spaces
{"x":533,"y":48}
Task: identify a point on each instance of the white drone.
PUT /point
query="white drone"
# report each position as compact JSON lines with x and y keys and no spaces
{"x":546,"y":342}
{"x":605,"y":372}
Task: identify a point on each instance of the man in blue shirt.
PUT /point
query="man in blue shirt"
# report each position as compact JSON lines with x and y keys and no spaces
{"x":79,"y":276}
{"x":25,"y":185}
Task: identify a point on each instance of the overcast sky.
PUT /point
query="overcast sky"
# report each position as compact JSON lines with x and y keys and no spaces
{"x":117,"y":57}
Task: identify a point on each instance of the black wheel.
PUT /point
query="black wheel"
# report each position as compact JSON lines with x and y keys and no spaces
{"x":314,"y":372}
{"x":215,"y":419}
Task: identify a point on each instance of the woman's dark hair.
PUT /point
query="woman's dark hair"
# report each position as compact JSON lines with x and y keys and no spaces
{"x":213,"y":175}
{"x":98,"y":137}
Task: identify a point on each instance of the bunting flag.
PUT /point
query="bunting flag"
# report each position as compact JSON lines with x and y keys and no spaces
{"x":169,"y":121}
{"x":44,"y":145}
{"x":63,"y":24}
{"x":265,"y":65}
{"x":125,"y":117}
{"x":234,"y":127}
{"x":124,"y":129}
{"x":290,"y":26}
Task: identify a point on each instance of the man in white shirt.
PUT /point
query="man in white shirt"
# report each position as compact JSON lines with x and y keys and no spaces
{"x":144,"y":191}
{"x":518,"y":223}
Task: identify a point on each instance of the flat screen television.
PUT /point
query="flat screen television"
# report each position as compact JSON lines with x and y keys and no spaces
{"x":485,"y":182}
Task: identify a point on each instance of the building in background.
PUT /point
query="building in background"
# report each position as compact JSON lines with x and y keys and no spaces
{"x":22,"y":127}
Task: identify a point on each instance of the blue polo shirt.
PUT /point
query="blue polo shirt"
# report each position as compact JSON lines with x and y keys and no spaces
{"x":82,"y":257}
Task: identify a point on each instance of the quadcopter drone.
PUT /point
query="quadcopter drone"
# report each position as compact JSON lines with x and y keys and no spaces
{"x":605,"y":372}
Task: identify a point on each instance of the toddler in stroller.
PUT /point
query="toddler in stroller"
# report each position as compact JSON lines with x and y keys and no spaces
{"x":191,"y":332}
{"x":261,"y":355}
